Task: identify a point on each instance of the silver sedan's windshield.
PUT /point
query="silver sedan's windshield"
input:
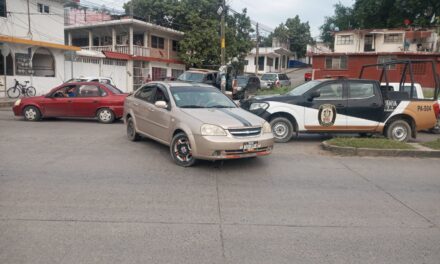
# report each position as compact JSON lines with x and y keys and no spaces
{"x":200,"y":97}
{"x":303,"y":88}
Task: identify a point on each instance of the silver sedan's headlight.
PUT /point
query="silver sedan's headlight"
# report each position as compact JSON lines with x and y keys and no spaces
{"x":17,"y":102}
{"x":256,"y":106}
{"x":267,"y":128}
{"x":212,"y":130}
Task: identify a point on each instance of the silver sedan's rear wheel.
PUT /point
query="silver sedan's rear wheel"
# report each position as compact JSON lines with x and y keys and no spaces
{"x":181,"y":150}
{"x":282,"y":129}
{"x":105,"y":116}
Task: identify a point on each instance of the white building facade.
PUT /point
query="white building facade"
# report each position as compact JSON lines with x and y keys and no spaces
{"x":32,"y":43}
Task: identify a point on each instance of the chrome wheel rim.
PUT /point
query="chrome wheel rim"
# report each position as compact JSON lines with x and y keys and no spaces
{"x":105,"y":115}
{"x":182,"y":150}
{"x":280,"y":130}
{"x":399,"y":133}
{"x":30,"y":114}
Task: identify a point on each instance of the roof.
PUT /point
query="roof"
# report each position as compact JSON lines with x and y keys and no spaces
{"x":124,"y":21}
{"x":272,"y":51}
{"x":116,"y":55}
{"x":406,"y":53}
{"x":10,"y":39}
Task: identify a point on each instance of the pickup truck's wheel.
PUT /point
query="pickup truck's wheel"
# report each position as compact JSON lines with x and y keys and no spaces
{"x":399,"y":130}
{"x":282,"y":129}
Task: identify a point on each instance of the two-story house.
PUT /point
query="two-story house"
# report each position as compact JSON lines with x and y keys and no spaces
{"x":150,"y":51}
{"x":354,"y":48}
{"x":32,"y":44}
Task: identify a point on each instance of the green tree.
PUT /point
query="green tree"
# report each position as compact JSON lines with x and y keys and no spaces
{"x":342,"y":19}
{"x":295,"y":31}
{"x":199,"y":20}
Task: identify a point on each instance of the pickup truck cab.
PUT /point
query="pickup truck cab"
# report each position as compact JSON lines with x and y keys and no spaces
{"x":345,"y":105}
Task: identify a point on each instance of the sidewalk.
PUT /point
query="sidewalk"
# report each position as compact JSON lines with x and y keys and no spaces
{"x":7,"y":102}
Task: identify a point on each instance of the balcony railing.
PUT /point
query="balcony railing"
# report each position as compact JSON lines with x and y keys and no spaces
{"x":125,"y":49}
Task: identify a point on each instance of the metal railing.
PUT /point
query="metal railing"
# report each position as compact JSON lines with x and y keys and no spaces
{"x":125,"y":49}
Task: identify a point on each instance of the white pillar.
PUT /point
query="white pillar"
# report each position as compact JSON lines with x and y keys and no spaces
{"x":113,"y":39}
{"x":90,"y":39}
{"x":130,"y":39}
{"x":265,"y":63}
{"x":69,"y":38}
{"x":146,"y":39}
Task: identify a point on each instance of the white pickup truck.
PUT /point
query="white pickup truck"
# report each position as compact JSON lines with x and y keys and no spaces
{"x":417,"y":94}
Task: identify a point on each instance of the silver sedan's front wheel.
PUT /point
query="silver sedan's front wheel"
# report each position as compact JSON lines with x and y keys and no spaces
{"x":181,"y":150}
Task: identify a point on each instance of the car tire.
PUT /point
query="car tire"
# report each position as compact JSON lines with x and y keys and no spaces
{"x":282,"y":129}
{"x":105,"y":115}
{"x":180,"y":150}
{"x":31,"y":113}
{"x":399,"y":130}
{"x":131,"y":130}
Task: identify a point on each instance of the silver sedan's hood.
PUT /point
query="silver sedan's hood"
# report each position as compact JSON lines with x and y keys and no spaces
{"x":225,"y":117}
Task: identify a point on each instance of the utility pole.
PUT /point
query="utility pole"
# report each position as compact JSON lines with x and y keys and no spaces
{"x":257,"y":51}
{"x":223,"y":46}
{"x":29,"y":20}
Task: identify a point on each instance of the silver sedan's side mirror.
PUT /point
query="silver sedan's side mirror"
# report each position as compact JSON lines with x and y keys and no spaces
{"x":161,"y":104}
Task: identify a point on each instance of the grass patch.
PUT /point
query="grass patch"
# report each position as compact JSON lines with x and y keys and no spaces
{"x":375,"y":143}
{"x":432,"y":144}
{"x":279,"y":90}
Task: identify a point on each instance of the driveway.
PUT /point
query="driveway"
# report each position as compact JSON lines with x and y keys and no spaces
{"x":75,"y":191}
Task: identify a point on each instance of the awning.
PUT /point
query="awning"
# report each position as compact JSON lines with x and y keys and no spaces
{"x":117,"y":55}
{"x":45,"y":44}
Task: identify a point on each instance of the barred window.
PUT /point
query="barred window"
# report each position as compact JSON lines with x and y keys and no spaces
{"x":157,"y":42}
{"x":393,"y":38}
{"x":336,"y":63}
{"x":383,"y":59}
{"x":344,"y":40}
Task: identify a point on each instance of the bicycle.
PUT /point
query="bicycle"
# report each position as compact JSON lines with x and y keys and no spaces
{"x":19,"y":89}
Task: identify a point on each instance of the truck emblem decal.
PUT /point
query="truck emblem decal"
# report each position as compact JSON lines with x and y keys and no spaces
{"x":327,"y":115}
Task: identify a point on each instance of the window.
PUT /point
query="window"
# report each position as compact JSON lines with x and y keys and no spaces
{"x":359,"y":90}
{"x":393,"y":38}
{"x":175,"y":45}
{"x":157,"y":42}
{"x":160,"y":95}
{"x":336,"y":63}
{"x":146,"y":93}
{"x":383,"y":59}
{"x":89,"y":91}
{"x":3,"y":12}
{"x":43,"y":63}
{"x":344,"y":40}
{"x":331,"y":91}
{"x":43,"y":8}
{"x":269,"y":61}
{"x":159,"y":74}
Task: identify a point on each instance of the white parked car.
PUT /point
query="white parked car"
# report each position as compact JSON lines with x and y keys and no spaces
{"x":105,"y":80}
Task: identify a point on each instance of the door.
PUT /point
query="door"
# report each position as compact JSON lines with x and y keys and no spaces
{"x":142,"y":103}
{"x":368,"y":43}
{"x":159,"y":118}
{"x":58,"y":104}
{"x":327,"y":111}
{"x":364,"y":106}
{"x":87,"y":101}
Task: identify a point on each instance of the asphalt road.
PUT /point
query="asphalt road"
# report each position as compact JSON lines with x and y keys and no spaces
{"x":74,"y":191}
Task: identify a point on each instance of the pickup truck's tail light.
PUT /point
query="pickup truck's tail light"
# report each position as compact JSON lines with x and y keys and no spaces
{"x":436,"y":109}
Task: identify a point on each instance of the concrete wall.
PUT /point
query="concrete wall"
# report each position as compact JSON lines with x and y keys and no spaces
{"x":48,"y":28}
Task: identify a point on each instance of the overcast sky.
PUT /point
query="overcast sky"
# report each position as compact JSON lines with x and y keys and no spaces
{"x":273,"y":12}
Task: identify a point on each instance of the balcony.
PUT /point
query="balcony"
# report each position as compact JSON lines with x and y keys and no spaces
{"x":125,"y":49}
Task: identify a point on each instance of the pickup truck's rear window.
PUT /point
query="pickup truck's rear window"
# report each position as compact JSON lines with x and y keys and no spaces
{"x":360,"y":90}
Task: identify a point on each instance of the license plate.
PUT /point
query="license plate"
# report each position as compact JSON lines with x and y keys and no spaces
{"x":249,"y":146}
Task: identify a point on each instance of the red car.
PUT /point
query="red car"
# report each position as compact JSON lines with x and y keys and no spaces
{"x":79,"y":99}
{"x":307,"y":76}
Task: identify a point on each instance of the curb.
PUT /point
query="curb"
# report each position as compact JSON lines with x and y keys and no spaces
{"x":350,"y":151}
{"x":7,"y":103}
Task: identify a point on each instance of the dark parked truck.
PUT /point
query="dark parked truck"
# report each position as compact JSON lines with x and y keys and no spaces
{"x":347,"y":106}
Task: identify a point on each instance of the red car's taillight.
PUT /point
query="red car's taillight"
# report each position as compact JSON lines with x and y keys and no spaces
{"x":436,"y":109}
